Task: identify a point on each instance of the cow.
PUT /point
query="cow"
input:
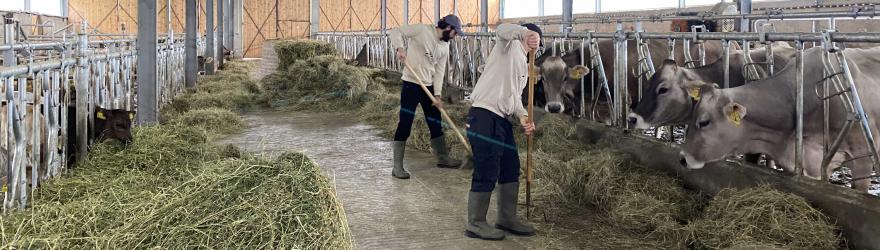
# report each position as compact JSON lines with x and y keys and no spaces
{"x":562,"y":92}
{"x":760,"y":117}
{"x":669,"y":95}
{"x":109,"y":124}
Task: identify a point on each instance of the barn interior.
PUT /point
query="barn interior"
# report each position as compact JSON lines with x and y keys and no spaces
{"x":258,"y":124}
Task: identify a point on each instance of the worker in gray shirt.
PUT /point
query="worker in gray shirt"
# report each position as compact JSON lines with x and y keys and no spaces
{"x":496,"y":97}
{"x":427,"y":53}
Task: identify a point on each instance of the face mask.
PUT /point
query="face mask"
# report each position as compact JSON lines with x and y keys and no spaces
{"x":447,"y":35}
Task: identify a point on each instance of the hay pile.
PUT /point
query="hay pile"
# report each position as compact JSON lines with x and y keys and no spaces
{"x":632,"y":197}
{"x":230,"y":89}
{"x":655,"y":205}
{"x":171,"y":189}
{"x":213,"y":120}
{"x":290,"y":51}
{"x":323,"y":83}
{"x":763,"y":215}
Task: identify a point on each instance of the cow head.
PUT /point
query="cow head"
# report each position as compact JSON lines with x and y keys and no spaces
{"x":669,"y":97}
{"x":114,"y":124}
{"x":717,"y":129}
{"x":558,"y":79}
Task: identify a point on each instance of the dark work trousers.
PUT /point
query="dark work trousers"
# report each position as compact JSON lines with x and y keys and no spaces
{"x":495,"y":156}
{"x":411,"y":95}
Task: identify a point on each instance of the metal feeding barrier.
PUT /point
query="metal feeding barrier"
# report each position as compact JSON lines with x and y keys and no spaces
{"x":40,"y":80}
{"x":468,"y":53}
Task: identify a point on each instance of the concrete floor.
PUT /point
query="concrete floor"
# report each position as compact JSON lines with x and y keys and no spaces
{"x":425,"y":212}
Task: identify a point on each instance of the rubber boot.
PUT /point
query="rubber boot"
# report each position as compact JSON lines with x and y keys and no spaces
{"x":397,"y":171}
{"x":477,"y":227}
{"x":442,"y":153}
{"x":508,"y":194}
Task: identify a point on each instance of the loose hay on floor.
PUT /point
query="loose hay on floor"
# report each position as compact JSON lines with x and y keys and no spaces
{"x":215,"y":121}
{"x":570,"y":173}
{"x":763,"y":215}
{"x":170,"y":189}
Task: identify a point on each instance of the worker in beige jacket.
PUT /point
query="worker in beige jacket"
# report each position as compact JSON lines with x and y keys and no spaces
{"x":497,"y":96}
{"x":427,"y":53}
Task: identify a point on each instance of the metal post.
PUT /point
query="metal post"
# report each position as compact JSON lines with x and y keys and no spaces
{"x":745,"y":8}
{"x":583,"y":103}
{"x":540,"y":7}
{"x":405,"y":12}
{"x":799,"y":102}
{"x":64,"y":7}
{"x":725,"y":47}
{"x":221,"y":20}
{"x":170,"y":29}
{"x":27,"y":5}
{"x":598,"y":6}
{"x":230,"y":25}
{"x":681,"y":5}
{"x":500,"y":8}
{"x":210,"y":50}
{"x":384,"y":14}
{"x":620,"y":76}
{"x":9,"y":60}
{"x":455,"y":7}
{"x":484,"y":15}
{"x":191,"y":53}
{"x":566,"y":15}
{"x":436,"y":11}
{"x":315,"y":17}
{"x":148,"y":96}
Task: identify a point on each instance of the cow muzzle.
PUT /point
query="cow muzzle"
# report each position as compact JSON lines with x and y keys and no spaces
{"x":554,"y":107}
{"x":690,"y":162}
{"x":636,"y":121}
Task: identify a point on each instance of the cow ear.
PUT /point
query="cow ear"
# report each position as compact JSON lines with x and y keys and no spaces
{"x":100,"y":113}
{"x":735,"y":112}
{"x":481,"y":68}
{"x":578,"y":72}
{"x":131,"y":115}
{"x":695,"y":88}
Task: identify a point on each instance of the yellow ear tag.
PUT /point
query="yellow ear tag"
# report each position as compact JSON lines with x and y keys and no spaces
{"x":4,"y":188}
{"x":694,"y":93}
{"x":574,"y":74}
{"x":735,"y":117}
{"x":101,"y":116}
{"x":131,"y":116}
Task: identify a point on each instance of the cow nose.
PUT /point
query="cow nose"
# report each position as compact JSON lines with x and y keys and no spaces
{"x":683,"y":162}
{"x":554,"y":108}
{"x":632,"y":121}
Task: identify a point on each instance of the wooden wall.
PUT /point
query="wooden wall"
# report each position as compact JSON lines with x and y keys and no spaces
{"x":261,"y":21}
{"x":350,"y":15}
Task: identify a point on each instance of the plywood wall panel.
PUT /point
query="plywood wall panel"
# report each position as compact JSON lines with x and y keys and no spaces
{"x":260,"y":21}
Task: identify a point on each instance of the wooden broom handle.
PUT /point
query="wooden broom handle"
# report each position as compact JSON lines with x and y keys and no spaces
{"x":442,"y":111}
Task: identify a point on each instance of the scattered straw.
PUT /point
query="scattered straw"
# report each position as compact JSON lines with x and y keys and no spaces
{"x":763,"y":215}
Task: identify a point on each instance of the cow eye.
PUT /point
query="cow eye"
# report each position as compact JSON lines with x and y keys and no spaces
{"x":703,"y":124}
{"x":662,"y":91}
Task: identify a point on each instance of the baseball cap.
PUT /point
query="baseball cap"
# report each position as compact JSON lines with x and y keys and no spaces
{"x":453,"y":21}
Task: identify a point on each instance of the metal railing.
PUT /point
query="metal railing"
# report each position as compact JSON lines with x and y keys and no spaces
{"x":468,"y":52}
{"x":38,"y":82}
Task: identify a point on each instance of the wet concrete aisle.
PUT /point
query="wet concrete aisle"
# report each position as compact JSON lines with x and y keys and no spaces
{"x":427,"y":211}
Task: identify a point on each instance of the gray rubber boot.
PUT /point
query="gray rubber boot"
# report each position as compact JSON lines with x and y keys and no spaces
{"x":397,"y":171}
{"x":442,"y":153}
{"x":508,"y":194}
{"x":477,"y":227}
